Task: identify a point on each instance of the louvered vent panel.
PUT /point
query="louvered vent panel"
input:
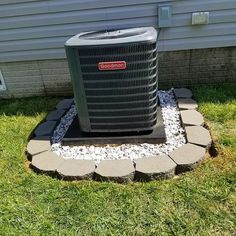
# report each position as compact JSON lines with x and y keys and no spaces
{"x":121,"y":100}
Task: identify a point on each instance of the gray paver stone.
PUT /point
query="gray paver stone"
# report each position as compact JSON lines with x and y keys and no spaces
{"x":151,"y":168}
{"x":198,"y":135}
{"x":73,"y":169}
{"x":121,"y":171}
{"x":187,"y":104}
{"x":183,"y":93}
{"x":56,"y":114}
{"x":191,"y":117}
{"x":46,"y":162}
{"x":36,"y":146}
{"x":187,"y":157}
{"x":45,"y":129}
{"x":65,"y":104}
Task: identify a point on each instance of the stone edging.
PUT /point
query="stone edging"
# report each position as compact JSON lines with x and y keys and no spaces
{"x":183,"y":159}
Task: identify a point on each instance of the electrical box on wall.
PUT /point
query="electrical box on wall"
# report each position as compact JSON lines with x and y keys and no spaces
{"x":200,"y":18}
{"x":164,"y":15}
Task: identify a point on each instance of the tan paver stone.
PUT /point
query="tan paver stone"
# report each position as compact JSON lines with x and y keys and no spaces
{"x":73,"y":169}
{"x":151,"y":168}
{"x":45,"y":129}
{"x":198,"y":135}
{"x":183,"y":93}
{"x":55,"y":115}
{"x":36,"y":146}
{"x":191,"y":117}
{"x":65,"y":104}
{"x":121,"y":171}
{"x":187,"y":157}
{"x":187,"y":104}
{"x":46,"y":162}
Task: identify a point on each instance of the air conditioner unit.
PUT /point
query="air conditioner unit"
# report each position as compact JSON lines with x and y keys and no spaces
{"x":114,"y":78}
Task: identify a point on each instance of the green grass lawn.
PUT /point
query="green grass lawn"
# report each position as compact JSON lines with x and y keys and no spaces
{"x":202,"y":202}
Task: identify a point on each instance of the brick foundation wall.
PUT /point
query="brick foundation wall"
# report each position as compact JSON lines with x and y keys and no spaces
{"x":200,"y":66}
{"x":176,"y":69}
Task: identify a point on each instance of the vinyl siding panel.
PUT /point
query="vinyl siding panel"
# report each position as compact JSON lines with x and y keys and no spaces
{"x":7,"y":2}
{"x":37,"y":30}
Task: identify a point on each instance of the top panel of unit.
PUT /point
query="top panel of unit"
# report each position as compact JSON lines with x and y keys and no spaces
{"x":96,"y":38}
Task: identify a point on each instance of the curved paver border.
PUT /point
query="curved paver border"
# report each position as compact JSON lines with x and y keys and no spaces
{"x":153,"y":168}
{"x":121,"y":171}
{"x":183,"y":159}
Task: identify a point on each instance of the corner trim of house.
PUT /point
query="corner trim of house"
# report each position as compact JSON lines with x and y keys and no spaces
{"x":2,"y":83}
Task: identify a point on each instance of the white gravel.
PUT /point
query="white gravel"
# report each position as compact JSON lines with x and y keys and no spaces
{"x":174,"y":132}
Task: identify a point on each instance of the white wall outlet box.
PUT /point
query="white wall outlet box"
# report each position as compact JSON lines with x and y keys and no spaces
{"x":2,"y":83}
{"x":200,"y":18}
{"x":164,"y":15}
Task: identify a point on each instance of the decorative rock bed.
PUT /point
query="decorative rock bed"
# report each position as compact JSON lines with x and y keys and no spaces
{"x":186,"y":146}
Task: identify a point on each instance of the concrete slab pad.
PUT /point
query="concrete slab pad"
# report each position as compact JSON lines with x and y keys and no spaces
{"x":198,"y":135}
{"x":75,"y":136}
{"x":73,"y":169}
{"x":121,"y":171}
{"x":187,"y":157}
{"x":187,"y":104}
{"x":183,"y":93}
{"x":46,"y":128}
{"x":152,"y":168}
{"x":65,"y":104}
{"x":191,"y":117}
{"x":55,"y":115}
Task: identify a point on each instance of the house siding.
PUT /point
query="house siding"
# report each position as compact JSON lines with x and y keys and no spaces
{"x":37,"y":30}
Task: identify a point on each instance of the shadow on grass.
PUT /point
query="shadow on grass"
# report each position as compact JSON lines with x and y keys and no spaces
{"x":27,"y":106}
{"x":219,"y":93}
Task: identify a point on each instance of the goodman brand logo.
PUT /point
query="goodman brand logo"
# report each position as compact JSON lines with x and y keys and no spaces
{"x":112,"y":65}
